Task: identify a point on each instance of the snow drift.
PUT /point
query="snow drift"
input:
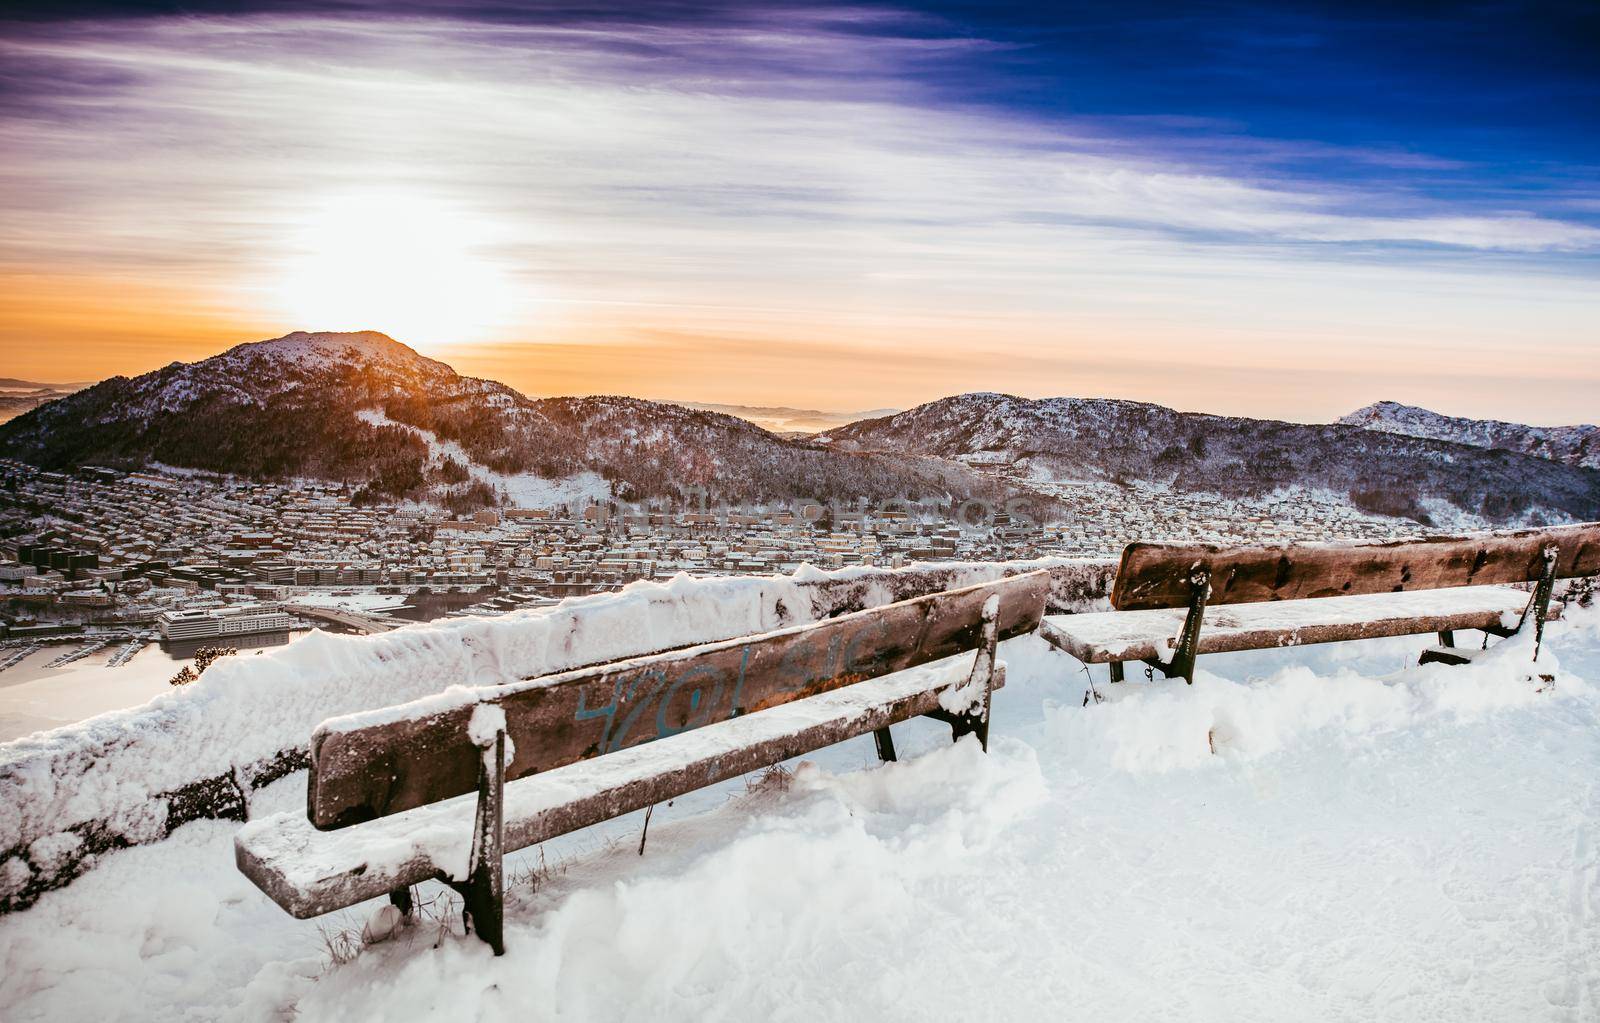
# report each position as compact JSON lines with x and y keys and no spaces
{"x":1367,"y":840}
{"x":129,"y":777}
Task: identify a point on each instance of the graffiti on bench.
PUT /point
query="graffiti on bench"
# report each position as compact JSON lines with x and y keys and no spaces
{"x":372,"y":765}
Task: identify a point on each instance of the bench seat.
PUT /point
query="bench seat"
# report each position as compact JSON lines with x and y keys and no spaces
{"x":310,"y":872}
{"x":1118,"y":636}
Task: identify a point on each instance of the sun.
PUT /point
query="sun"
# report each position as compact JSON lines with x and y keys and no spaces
{"x":411,"y":266}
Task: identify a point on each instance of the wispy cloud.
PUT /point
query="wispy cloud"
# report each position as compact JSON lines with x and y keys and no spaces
{"x":795,"y":159}
{"x":788,"y":120}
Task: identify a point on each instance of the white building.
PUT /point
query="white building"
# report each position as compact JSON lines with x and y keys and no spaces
{"x":229,"y":621}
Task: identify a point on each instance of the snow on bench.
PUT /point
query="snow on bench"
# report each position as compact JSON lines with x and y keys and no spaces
{"x":1138,"y":635}
{"x":389,"y":804}
{"x":1176,"y":601}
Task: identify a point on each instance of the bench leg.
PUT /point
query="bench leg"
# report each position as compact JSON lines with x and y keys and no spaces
{"x":1538,"y":608}
{"x":1541,"y":597}
{"x":1442,"y":655}
{"x":976,"y":720}
{"x":973,"y":722}
{"x":483,"y":893}
{"x":1117,"y":671}
{"x":400,"y":899}
{"x":885,"y":744}
{"x":1182,"y":663}
{"x":976,"y":723}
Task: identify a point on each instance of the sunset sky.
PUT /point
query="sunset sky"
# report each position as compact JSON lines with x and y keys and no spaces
{"x":1287,"y":209}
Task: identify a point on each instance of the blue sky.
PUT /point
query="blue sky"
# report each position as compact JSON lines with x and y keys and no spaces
{"x":1288,"y":208}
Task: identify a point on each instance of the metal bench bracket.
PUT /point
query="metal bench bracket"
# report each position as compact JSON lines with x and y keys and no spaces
{"x":1181,"y":664}
{"x":975,"y":721}
{"x":1538,"y":607}
{"x":884,"y":740}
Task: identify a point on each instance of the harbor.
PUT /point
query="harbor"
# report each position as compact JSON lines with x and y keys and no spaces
{"x":48,"y":684}
{"x":50,"y":679}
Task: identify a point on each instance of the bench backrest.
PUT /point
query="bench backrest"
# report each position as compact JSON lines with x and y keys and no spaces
{"x":1157,"y":575}
{"x":381,"y":762}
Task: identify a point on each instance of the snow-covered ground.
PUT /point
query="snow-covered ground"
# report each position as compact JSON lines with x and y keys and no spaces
{"x":522,"y":490}
{"x":1323,"y":833}
{"x":349,"y":599}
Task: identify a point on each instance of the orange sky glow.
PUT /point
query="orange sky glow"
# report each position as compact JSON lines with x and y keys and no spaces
{"x":578,"y":224}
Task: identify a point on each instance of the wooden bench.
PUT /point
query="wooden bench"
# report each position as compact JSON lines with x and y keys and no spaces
{"x":1175,"y":602}
{"x":390,"y":803}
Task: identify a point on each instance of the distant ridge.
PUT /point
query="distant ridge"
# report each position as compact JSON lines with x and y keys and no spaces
{"x":1102,"y":439}
{"x":782,"y":419}
{"x":1572,"y":445}
{"x":19,"y":396}
{"x":13,"y":384}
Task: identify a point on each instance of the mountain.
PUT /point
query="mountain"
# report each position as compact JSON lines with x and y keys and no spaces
{"x":782,"y":419}
{"x":364,"y":408}
{"x":18,"y":396}
{"x":1066,"y":439}
{"x":1573,"y":445}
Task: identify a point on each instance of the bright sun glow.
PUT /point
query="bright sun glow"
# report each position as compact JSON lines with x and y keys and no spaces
{"x":409,"y":266}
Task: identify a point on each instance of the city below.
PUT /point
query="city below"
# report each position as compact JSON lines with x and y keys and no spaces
{"x":118,"y":559}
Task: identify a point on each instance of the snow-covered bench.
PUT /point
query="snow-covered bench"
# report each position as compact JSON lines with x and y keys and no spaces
{"x":1175,"y":602}
{"x":390,"y":800}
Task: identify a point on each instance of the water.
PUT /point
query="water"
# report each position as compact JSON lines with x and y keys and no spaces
{"x":35,"y":698}
{"x":425,"y":607}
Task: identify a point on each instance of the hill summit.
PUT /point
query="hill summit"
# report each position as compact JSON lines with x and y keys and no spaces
{"x":1572,"y":445}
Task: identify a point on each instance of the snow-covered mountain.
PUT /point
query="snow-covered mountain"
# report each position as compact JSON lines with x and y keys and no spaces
{"x":1065,"y":439}
{"x":364,"y":408}
{"x":1574,"y":445}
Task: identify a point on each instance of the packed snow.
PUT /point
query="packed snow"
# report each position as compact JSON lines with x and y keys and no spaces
{"x":1313,"y":833}
{"x":351,"y":599}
